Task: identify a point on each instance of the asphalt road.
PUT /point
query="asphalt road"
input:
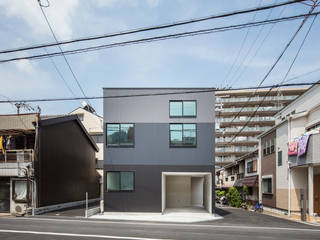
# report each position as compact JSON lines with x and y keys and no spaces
{"x":238,"y":224}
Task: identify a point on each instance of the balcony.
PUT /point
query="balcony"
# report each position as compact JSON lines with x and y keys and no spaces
{"x":247,"y":131}
{"x":17,"y":156}
{"x":236,"y":100}
{"x":237,"y":151}
{"x":16,"y":162}
{"x":312,"y":154}
{"x":238,"y":141}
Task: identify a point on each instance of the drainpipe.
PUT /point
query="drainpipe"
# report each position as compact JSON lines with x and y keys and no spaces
{"x":289,"y":170}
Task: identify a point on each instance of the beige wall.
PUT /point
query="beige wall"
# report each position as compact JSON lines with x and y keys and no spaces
{"x":178,"y":191}
{"x":197,"y":191}
{"x":93,"y":123}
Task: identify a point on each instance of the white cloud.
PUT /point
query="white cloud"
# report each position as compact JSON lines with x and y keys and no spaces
{"x":59,"y":14}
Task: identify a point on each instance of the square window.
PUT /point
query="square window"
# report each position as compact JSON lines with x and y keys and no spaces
{"x":120,"y":134}
{"x":179,"y":108}
{"x":120,"y":181}
{"x":183,"y":134}
{"x":20,"y":191}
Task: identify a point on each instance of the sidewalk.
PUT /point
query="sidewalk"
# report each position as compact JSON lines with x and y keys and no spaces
{"x":172,"y":215}
{"x":294,"y":217}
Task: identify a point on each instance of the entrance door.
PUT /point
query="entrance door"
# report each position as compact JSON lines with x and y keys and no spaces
{"x":316,"y":192}
{"x":4,"y":197}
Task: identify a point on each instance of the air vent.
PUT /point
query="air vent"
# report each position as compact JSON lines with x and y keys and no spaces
{"x":18,"y":209}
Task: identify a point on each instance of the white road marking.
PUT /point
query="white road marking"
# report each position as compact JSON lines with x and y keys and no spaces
{"x":167,"y":224}
{"x":78,"y":235}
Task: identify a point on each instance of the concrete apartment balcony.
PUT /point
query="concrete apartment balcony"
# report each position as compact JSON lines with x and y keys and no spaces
{"x":312,"y":155}
{"x":261,"y":121}
{"x":244,"y":101}
{"x":16,"y":162}
{"x":233,"y":151}
{"x":247,"y":111}
{"x":247,"y":131}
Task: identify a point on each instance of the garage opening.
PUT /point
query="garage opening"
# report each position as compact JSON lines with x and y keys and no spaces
{"x":189,"y":192}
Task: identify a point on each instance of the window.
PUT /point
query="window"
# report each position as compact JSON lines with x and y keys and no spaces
{"x":267,"y":185}
{"x":252,"y":166}
{"x":226,"y":179}
{"x":182,"y":108}
{"x":20,"y":191}
{"x":272,"y":146}
{"x":265,"y":148}
{"x":120,"y":135}
{"x":183,"y":135}
{"x":232,"y":178}
{"x":98,"y":138}
{"x":120,"y":181}
{"x":279,"y":158}
{"x":268,"y":148}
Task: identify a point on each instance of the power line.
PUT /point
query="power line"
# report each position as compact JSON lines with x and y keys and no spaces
{"x":259,"y":47}
{"x":240,"y":49}
{"x":155,"y":27}
{"x":61,"y":51}
{"x":250,"y":48}
{"x":160,"y":38}
{"x":274,"y":64}
{"x":192,"y":90}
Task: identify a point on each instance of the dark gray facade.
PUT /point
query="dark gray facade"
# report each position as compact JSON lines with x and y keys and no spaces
{"x":151,"y":154}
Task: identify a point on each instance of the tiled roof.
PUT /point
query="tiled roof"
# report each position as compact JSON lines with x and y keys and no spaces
{"x":21,"y":121}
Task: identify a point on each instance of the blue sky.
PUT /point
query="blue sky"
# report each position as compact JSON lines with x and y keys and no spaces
{"x":199,"y":61}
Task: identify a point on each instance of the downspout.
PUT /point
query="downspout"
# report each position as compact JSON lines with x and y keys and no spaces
{"x":36,"y":148}
{"x":289,"y":171}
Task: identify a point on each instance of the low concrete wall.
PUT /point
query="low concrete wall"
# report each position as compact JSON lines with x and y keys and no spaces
{"x":56,"y":207}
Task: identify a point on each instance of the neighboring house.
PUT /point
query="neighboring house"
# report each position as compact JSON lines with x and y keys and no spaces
{"x":297,"y":170}
{"x":268,"y":165}
{"x":240,"y":173}
{"x":94,"y":126}
{"x":45,"y":162}
{"x":159,"y":149}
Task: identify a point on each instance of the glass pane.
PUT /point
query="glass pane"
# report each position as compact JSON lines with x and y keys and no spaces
{"x":189,"y":108}
{"x":20,"y":190}
{"x":175,"y":109}
{"x":127,"y":181}
{"x":175,"y":134}
{"x":112,"y":134}
{"x":126,"y":134}
{"x":113,"y":181}
{"x":189,"y":134}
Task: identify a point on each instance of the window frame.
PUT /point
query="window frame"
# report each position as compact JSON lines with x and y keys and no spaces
{"x":27,"y":199}
{"x":184,"y":116}
{"x":182,"y":145}
{"x":253,"y":171}
{"x":279,"y":154}
{"x":119,"y":145}
{"x":134,"y":181}
{"x":262,"y":187}
{"x":272,"y":146}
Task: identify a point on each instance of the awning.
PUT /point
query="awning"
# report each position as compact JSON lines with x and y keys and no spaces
{"x":250,"y":181}
{"x":238,"y":183}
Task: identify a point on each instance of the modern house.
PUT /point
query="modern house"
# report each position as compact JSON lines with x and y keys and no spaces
{"x":294,"y":185}
{"x":45,"y":162}
{"x":228,"y":120}
{"x":159,"y":149}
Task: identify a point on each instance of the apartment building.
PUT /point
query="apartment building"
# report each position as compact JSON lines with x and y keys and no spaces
{"x":228,"y":124}
{"x":159,"y":149}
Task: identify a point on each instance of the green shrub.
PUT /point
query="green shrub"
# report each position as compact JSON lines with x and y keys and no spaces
{"x":245,"y":192}
{"x":220,"y":193}
{"x":233,"y":197}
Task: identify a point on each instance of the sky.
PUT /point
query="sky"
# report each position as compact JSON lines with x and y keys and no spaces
{"x":198,"y":61}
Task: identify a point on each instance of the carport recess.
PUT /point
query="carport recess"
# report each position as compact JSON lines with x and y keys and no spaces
{"x":186,"y":190}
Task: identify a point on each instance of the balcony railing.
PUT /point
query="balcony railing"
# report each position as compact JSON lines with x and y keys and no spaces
{"x":254,"y":99}
{"x":17,"y":156}
{"x":246,"y":129}
{"x":250,"y":109}
{"x":235,"y":149}
{"x":244,"y":119}
{"x":237,"y":139}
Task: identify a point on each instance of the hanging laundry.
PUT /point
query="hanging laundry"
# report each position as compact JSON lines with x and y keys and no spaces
{"x":1,"y":145}
{"x":302,"y":145}
{"x":293,"y":147}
